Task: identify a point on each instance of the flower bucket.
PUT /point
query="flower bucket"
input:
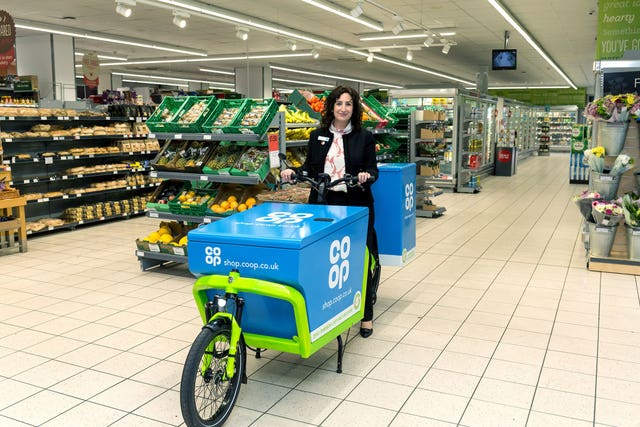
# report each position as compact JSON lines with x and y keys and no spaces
{"x":637,"y":177}
{"x":606,"y":185}
{"x":611,"y":136}
{"x":633,"y":242}
{"x":601,"y":239}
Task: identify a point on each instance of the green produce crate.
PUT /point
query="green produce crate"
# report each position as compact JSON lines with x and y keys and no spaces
{"x":214,"y":122}
{"x":223,"y":158}
{"x":381,"y":110}
{"x":152,"y":204}
{"x":179,"y":208}
{"x":208,"y":103}
{"x":300,"y":102}
{"x":160,"y":120}
{"x":255,"y":117}
{"x":168,"y":155}
{"x":193,"y":156}
{"x":388,"y":141}
{"x":253,"y":162}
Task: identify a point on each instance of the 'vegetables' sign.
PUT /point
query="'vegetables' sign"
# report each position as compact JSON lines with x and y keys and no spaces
{"x":7,"y":42}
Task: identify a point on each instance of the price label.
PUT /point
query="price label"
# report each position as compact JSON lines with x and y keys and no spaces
{"x":91,"y":156}
{"x":80,"y":175}
{"x":606,"y":178}
{"x":138,"y":119}
{"x":53,"y":178}
{"x":207,"y":137}
{"x":12,"y":118}
{"x":49,"y":228}
{"x":76,"y":118}
{"x":178,"y":251}
{"x":154,"y":248}
{"x":153,"y":174}
{"x":55,"y":138}
{"x":154,"y":215}
{"x":35,"y":180}
{"x":107,"y":118}
{"x":66,"y":196}
{"x":48,"y":160}
{"x":204,"y":178}
{"x":206,"y":220}
{"x":152,"y":135}
{"x":8,"y":139}
{"x":60,"y":118}
{"x":76,"y":157}
{"x":43,"y":118}
{"x":81,"y":222}
{"x":65,"y":177}
{"x":177,"y":136}
{"x":27,"y":181}
{"x":604,"y":229}
{"x":3,"y":118}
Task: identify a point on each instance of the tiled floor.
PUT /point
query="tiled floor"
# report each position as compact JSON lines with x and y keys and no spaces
{"x":497,"y":322}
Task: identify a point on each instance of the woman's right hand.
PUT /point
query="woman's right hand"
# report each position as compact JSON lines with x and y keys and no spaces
{"x":287,"y":174}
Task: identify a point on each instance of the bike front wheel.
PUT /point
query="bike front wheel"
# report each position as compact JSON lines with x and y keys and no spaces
{"x":207,"y":396}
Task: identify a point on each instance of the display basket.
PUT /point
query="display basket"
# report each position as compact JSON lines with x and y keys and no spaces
{"x":153,"y":205}
{"x":193,"y":104}
{"x":160,"y":120}
{"x":253,"y":162}
{"x":255,"y":117}
{"x":381,"y":110}
{"x":300,"y":102}
{"x":390,"y":144}
{"x":223,"y":158}
{"x":208,"y":193}
{"x":165,"y":160}
{"x":373,"y":120}
{"x":193,"y":156}
{"x":224,"y":192}
{"x":224,"y":116}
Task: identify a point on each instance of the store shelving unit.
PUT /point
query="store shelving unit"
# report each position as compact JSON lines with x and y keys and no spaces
{"x":153,"y":257}
{"x":37,"y":167}
{"x":559,"y":120}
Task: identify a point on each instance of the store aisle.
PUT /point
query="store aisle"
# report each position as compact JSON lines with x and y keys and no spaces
{"x":497,"y":322}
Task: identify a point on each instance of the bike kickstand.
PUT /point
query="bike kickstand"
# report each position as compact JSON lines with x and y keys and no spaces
{"x":340,"y":353}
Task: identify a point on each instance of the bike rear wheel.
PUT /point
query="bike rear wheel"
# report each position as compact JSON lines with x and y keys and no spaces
{"x":206,"y":396}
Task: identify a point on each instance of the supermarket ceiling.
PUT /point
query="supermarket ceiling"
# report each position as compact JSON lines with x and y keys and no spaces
{"x":564,"y":29}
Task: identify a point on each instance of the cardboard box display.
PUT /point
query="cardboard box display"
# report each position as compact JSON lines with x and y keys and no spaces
{"x":431,"y":134}
{"x":429,"y":170}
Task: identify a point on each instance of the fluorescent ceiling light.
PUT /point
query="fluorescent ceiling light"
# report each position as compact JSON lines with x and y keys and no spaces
{"x":620,"y":63}
{"x":27,"y":25}
{"x":420,"y":35}
{"x":223,"y":88}
{"x":447,"y":34}
{"x":210,"y":59}
{"x":346,"y":13}
{"x":284,"y":90}
{"x":154,"y":83}
{"x":301,"y":82}
{"x":144,"y":76}
{"x":115,"y":58}
{"x":515,"y":24}
{"x":412,"y":67}
{"x":293,"y":70}
{"x":528,"y":87}
{"x":207,"y":70}
{"x":227,"y":16}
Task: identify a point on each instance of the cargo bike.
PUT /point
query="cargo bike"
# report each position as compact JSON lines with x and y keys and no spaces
{"x":281,"y":276}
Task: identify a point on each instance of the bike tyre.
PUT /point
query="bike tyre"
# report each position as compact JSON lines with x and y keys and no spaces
{"x":196,"y":398}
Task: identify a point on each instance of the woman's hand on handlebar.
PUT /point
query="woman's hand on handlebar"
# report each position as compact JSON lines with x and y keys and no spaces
{"x":363,"y":177}
{"x":287,"y":175}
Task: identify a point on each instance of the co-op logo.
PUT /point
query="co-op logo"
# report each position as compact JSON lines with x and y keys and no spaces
{"x":284,"y":217}
{"x":212,"y":255}
{"x":338,"y":257}
{"x":409,"y":200}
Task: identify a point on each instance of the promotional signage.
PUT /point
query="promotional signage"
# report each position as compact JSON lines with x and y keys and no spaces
{"x":578,"y":170}
{"x":504,"y":156}
{"x":7,"y":44}
{"x":618,"y":28}
{"x":91,"y":70}
{"x":625,"y":82}
{"x":319,"y":250}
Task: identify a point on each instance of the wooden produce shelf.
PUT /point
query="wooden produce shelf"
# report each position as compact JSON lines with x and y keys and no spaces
{"x":9,"y":230}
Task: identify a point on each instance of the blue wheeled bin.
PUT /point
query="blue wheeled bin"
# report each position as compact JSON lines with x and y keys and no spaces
{"x":394,"y":194}
{"x":317,"y":249}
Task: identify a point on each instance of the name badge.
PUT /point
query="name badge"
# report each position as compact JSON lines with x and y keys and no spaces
{"x":323,"y":138}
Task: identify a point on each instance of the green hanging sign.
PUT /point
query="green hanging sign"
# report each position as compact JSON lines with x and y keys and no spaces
{"x":618,"y":28}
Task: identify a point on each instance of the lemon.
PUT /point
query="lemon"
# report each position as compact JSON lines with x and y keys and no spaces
{"x":166,"y":238}
{"x":183,"y":241}
{"x":153,"y":237}
{"x":164,"y":230}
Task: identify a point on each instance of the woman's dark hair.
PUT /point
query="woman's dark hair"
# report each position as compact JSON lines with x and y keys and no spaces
{"x":330,"y":102}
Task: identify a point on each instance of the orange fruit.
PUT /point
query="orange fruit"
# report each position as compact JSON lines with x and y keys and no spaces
{"x":242,"y":207}
{"x":250,"y":202}
{"x":232,"y":199}
{"x":224,"y":205}
{"x":233,"y":204}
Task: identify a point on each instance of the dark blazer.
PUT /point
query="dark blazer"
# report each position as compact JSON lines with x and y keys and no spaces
{"x":360,"y":156}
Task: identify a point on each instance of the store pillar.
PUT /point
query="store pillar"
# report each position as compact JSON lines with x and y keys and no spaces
{"x":254,"y":82}
{"x":51,"y":58}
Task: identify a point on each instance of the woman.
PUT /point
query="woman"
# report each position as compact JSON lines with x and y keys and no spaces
{"x":340,"y":146}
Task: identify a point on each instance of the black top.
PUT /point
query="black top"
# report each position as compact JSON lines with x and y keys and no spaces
{"x":360,"y":156}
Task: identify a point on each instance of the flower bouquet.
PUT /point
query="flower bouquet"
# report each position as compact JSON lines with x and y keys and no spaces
{"x":631,"y":208}
{"x":608,"y":214}
{"x":622,"y":164}
{"x":594,"y":157}
{"x":585,"y":202}
{"x":613,"y":108}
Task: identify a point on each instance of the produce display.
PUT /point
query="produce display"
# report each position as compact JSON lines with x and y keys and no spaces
{"x":254,"y":115}
{"x":252,"y":159}
{"x":169,"y":233}
{"x":225,"y":156}
{"x":193,"y":113}
{"x":193,"y":155}
{"x":194,"y":197}
{"x":293,"y":159}
{"x":293,"y":115}
{"x":168,"y":192}
{"x":169,"y":153}
{"x":298,"y":134}
{"x":166,"y":115}
{"x":316,"y":104}
{"x":226,"y":116}
{"x":230,"y":204}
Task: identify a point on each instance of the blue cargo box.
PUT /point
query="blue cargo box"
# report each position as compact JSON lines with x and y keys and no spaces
{"x":318,"y":250}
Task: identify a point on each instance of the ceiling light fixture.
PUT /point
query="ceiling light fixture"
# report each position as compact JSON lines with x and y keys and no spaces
{"x":511,"y":20}
{"x":399,"y":27}
{"x":291,"y":44}
{"x":370,"y":57}
{"x":176,"y":79}
{"x":315,"y":54}
{"x":210,"y":59}
{"x":154,"y":83}
{"x":301,"y":82}
{"x":224,"y":15}
{"x":357,"y":11}
{"x":409,"y":55}
{"x":28,"y":25}
{"x":404,"y":35}
{"x":429,"y":41}
{"x":208,"y":70}
{"x":345,"y":13}
{"x":180,"y":19}
{"x":446,"y":48}
{"x":114,"y":58}
{"x":293,"y":70}
{"x":412,"y":67}
{"x":242,"y":33}
{"x":125,"y":7}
